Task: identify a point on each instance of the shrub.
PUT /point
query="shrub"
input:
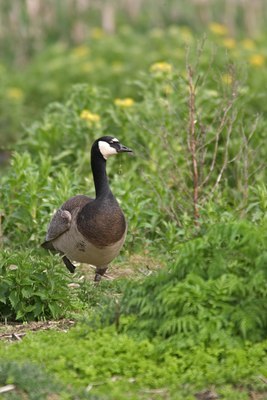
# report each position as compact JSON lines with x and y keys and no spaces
{"x":32,"y":287}
{"x":215,"y":286}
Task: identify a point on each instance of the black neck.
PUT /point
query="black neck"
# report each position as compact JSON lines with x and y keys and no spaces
{"x":98,"y":165}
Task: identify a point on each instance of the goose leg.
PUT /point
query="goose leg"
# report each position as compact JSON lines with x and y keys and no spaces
{"x":100,"y":271}
{"x":68,"y":264}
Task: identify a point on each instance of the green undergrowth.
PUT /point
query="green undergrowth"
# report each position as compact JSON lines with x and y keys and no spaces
{"x":36,"y":286}
{"x":32,"y":287}
{"x":198,"y":323}
{"x":111,"y":363}
{"x":214,"y":287}
{"x":30,"y":382}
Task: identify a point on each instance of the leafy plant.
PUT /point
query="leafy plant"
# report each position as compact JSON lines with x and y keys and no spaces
{"x":214,"y":284}
{"x":28,"y":380}
{"x":32,"y":287}
{"x":29,"y":193}
{"x":111,"y":364}
{"x":33,"y":383}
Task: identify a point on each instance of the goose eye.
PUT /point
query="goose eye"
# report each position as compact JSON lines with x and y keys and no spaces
{"x":114,"y":140}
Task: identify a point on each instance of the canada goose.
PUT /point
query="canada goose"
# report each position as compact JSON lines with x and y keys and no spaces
{"x":87,"y":230}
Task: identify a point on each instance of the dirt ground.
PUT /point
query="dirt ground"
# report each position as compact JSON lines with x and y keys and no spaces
{"x":136,"y":267}
{"x":16,"y":331}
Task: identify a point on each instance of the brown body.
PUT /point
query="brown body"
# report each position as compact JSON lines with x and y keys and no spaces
{"x":87,"y":230}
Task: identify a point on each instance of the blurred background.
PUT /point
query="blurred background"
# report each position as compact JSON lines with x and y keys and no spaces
{"x":36,"y":37}
{"x":27,"y":26}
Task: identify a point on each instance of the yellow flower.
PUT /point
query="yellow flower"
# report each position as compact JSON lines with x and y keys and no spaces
{"x":87,"y":67}
{"x":229,"y":43}
{"x":218,"y":29}
{"x":186,"y":34}
{"x":80,"y":51}
{"x":161,"y":67}
{"x":89,"y":116}
{"x":248,"y":44}
{"x":127,"y":102}
{"x":97,"y":33}
{"x":167,"y":90}
{"x":227,"y":79}
{"x":14,"y":93}
{"x":117,"y":67}
{"x":257,"y":60}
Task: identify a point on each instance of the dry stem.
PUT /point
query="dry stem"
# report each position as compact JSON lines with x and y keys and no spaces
{"x":192,"y":142}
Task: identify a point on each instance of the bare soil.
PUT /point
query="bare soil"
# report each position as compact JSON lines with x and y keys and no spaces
{"x":136,"y":267}
{"x":16,"y":331}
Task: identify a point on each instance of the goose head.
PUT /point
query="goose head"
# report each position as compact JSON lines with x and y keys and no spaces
{"x":107,"y":146}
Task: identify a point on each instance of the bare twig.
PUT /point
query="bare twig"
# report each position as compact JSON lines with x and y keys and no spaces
{"x":173,"y":206}
{"x":7,"y":388}
{"x":192,"y":141}
{"x":225,"y":160}
{"x":263,"y":379}
{"x":223,"y":123}
{"x":245,"y":168}
{"x":18,"y":336}
{"x":249,"y":137}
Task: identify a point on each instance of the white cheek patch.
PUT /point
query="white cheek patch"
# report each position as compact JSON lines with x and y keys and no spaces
{"x":105,"y":149}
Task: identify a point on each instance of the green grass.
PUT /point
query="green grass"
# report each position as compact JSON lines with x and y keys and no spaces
{"x":31,"y":382}
{"x":112,"y":364}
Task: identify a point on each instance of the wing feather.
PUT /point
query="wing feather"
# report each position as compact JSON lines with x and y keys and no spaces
{"x":59,"y":224}
{"x":61,"y":220}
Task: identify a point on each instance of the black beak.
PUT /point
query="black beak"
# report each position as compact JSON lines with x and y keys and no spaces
{"x":124,"y":149}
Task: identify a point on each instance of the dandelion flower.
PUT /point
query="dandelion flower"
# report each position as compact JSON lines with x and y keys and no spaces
{"x":227,"y":79}
{"x":218,"y":29}
{"x":186,"y":34}
{"x":97,"y":33}
{"x":229,"y":43}
{"x":248,"y":44}
{"x":127,"y":102}
{"x":14,"y":93}
{"x":117,"y":67}
{"x":87,"y":67}
{"x":161,"y":67}
{"x":89,"y":116}
{"x":257,"y":60}
{"x":167,"y":90}
{"x":80,"y":51}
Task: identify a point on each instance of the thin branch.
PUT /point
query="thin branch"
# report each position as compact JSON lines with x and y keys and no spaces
{"x":192,"y":141}
{"x":225,"y":161}
{"x":260,"y":167}
{"x":7,"y":388}
{"x":249,"y":137}
{"x":217,"y":138}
